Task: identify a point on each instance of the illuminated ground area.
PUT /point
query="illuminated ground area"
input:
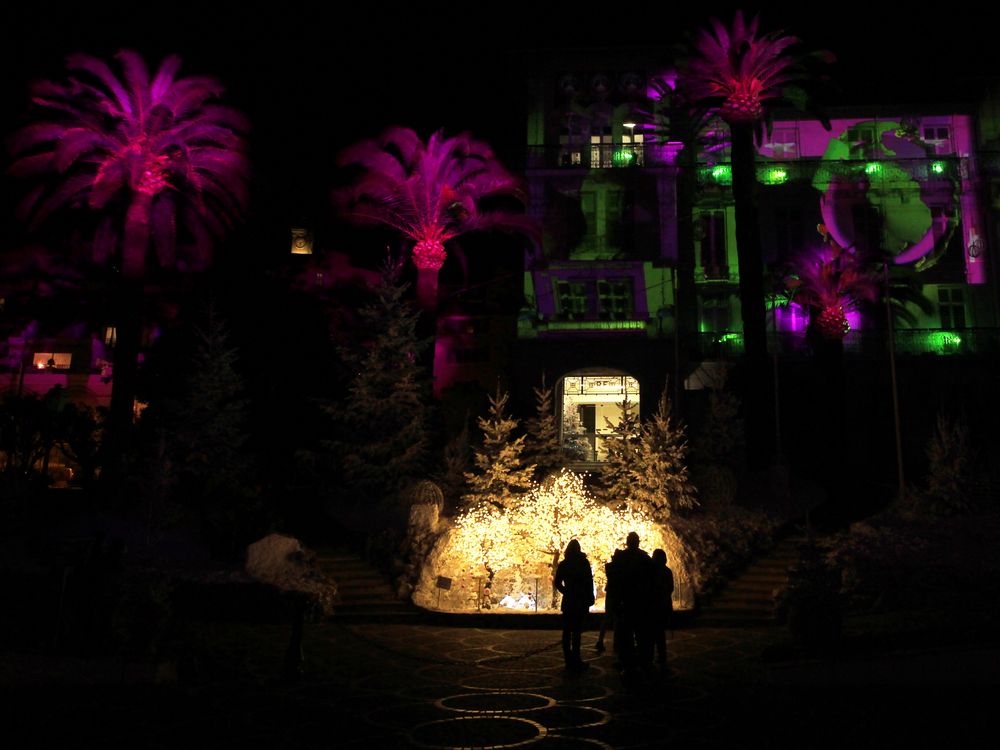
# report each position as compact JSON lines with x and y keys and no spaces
{"x":392,"y":686}
{"x":504,"y":559}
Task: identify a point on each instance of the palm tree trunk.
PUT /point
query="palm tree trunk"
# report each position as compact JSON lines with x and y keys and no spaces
{"x":427,"y":288}
{"x":758,"y":386}
{"x":128,"y":334}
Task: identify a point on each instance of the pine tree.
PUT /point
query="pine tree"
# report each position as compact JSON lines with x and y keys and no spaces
{"x":660,"y":474}
{"x":720,"y":440}
{"x":623,"y":452}
{"x":542,"y":446}
{"x":501,"y":475}
{"x":383,"y":425}
{"x":214,"y":470}
{"x":451,"y":478}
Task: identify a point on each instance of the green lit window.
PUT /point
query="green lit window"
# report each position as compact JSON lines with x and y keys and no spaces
{"x":615,"y":299}
{"x":712,"y":235}
{"x":867,"y":227}
{"x":572,"y":299}
{"x":951,"y":307}
{"x":715,"y":314}
{"x":861,"y":141}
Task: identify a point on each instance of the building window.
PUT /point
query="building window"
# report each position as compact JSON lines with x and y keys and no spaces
{"x":861,"y":140}
{"x":572,"y":299}
{"x":52,"y":360}
{"x":951,"y":307}
{"x":788,"y":238}
{"x":715,"y":314}
{"x":602,"y":149}
{"x":614,"y":299}
{"x":591,"y":409}
{"x":110,"y":336}
{"x":570,"y":153}
{"x":784,"y":143}
{"x":631,"y":152}
{"x":938,"y":136}
{"x":712,"y":235}
{"x":867,"y":227}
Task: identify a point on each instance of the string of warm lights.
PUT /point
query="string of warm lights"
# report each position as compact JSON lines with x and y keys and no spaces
{"x":507,"y":557}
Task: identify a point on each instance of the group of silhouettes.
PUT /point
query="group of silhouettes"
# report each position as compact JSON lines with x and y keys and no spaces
{"x":638,"y":604}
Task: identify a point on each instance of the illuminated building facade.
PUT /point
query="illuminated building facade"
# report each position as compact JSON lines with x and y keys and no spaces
{"x":635,"y":275}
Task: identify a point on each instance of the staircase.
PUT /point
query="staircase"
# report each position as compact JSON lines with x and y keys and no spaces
{"x":363,"y":593}
{"x":748,"y":599}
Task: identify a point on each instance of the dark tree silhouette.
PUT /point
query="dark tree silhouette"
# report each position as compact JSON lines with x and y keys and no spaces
{"x":740,"y":70}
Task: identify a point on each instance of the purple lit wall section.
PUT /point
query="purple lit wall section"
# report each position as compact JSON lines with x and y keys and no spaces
{"x":812,"y":142}
{"x":794,"y":318}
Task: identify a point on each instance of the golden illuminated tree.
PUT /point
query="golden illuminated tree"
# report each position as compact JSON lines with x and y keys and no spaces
{"x":501,"y":474}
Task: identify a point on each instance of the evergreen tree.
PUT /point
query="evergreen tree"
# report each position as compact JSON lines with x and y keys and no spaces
{"x":542,"y":445}
{"x":382,"y":440}
{"x":451,"y":478}
{"x":720,"y":440}
{"x":501,"y":474}
{"x":213,"y":467}
{"x":660,"y":473}
{"x":623,"y":447}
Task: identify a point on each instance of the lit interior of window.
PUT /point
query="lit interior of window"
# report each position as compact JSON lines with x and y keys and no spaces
{"x":52,"y":360}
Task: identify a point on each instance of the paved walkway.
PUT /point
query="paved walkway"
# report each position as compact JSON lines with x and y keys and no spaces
{"x":390,"y":686}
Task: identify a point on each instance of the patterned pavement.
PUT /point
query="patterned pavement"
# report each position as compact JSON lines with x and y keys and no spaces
{"x":425,"y":686}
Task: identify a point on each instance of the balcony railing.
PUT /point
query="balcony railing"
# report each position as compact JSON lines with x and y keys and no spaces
{"x":599,"y":156}
{"x":909,"y":343}
{"x":884,"y":170}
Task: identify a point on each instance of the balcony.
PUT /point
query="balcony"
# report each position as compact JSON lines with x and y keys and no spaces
{"x":922,"y":342}
{"x":602,"y":156}
{"x":884,"y":170}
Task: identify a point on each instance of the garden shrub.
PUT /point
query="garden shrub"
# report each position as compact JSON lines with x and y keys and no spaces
{"x":719,"y":544}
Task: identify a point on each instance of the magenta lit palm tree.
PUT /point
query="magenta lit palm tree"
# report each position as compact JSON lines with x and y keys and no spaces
{"x":831,"y":281}
{"x":162,"y":162}
{"x":738,"y":70}
{"x":429,"y":192}
{"x":157,"y":153}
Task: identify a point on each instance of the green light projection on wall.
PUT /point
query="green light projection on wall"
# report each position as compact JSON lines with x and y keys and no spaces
{"x":595,"y":325}
{"x":623,"y":157}
{"x":773,"y":176}
{"x":943,"y":342}
{"x":720,"y":173}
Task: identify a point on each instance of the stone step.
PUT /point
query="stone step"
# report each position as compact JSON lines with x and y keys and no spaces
{"x":741,"y":584}
{"x":756,"y":598}
{"x":761,"y":579}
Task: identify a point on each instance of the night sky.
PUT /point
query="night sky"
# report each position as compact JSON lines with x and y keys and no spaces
{"x":312,"y":82}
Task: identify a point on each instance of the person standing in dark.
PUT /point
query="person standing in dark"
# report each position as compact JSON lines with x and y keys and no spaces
{"x":630,"y":575}
{"x":663,"y":604}
{"x":575,"y":581}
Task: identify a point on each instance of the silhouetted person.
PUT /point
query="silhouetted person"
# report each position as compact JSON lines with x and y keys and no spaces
{"x":575,"y":581}
{"x":663,"y":604}
{"x":630,"y":588}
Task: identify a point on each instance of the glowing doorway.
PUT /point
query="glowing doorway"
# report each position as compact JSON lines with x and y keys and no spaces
{"x":591,"y":406}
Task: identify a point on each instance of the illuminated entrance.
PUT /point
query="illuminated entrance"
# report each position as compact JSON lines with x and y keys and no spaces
{"x":591,"y":404}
